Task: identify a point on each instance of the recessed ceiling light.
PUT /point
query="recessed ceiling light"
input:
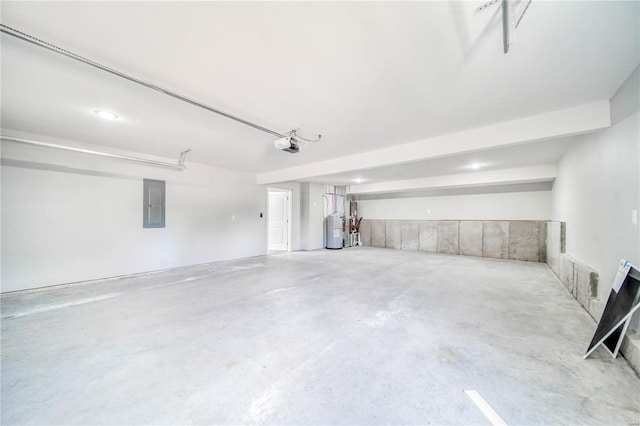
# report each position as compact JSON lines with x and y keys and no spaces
{"x":107,"y":115}
{"x":358,"y":180}
{"x":475,"y":166}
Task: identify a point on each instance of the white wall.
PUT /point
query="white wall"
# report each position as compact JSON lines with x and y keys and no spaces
{"x":312,"y":216}
{"x":597,"y":187}
{"x":70,"y":217}
{"x":535,"y":205}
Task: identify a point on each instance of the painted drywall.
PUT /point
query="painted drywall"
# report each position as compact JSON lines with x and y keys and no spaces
{"x":71,"y":217}
{"x":304,"y":214}
{"x":597,"y":187}
{"x":566,"y":122}
{"x":535,"y":205}
{"x":312,"y":216}
{"x":488,"y":179}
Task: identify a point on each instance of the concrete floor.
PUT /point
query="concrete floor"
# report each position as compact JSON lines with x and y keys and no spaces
{"x":356,"y":336}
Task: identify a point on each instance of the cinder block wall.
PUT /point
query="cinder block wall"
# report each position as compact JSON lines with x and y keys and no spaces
{"x":582,"y":282}
{"x":515,"y":240}
{"x":579,"y":279}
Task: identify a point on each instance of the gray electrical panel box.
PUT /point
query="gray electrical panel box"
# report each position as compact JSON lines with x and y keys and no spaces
{"x":153,"y":203}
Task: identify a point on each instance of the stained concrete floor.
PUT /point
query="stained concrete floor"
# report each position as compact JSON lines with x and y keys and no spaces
{"x":357,"y":336}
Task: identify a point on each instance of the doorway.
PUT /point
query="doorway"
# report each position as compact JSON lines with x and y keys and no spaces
{"x":279,"y":232}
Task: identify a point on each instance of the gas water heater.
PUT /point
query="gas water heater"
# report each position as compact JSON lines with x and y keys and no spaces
{"x":333,"y":231}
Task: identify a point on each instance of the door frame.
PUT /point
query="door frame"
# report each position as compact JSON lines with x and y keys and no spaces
{"x":289,"y":192}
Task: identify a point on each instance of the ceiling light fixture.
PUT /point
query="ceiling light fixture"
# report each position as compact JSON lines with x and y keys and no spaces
{"x":475,"y":166}
{"x":358,"y":180}
{"x":107,"y":115}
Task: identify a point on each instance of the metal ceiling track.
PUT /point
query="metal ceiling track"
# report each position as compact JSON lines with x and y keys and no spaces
{"x":46,"y":45}
{"x":511,"y":11}
{"x":179,"y":166}
{"x":506,"y":36}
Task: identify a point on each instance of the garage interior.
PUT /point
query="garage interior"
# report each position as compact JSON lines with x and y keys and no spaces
{"x":317,"y":212}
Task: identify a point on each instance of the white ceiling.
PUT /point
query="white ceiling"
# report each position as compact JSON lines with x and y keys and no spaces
{"x":524,"y":155}
{"x":367,"y":75}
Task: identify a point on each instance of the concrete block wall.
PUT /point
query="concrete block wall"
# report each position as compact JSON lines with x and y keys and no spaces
{"x":515,"y":240}
{"x":582,"y":282}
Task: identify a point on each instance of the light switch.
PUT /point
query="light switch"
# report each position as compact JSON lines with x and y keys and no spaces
{"x":634,"y":217}
{"x":233,"y":217}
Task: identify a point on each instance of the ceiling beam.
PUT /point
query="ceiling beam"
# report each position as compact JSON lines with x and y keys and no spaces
{"x":544,"y":173}
{"x":570,"y":121}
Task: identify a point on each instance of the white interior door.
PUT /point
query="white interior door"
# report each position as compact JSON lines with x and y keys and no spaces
{"x":278,"y":221}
